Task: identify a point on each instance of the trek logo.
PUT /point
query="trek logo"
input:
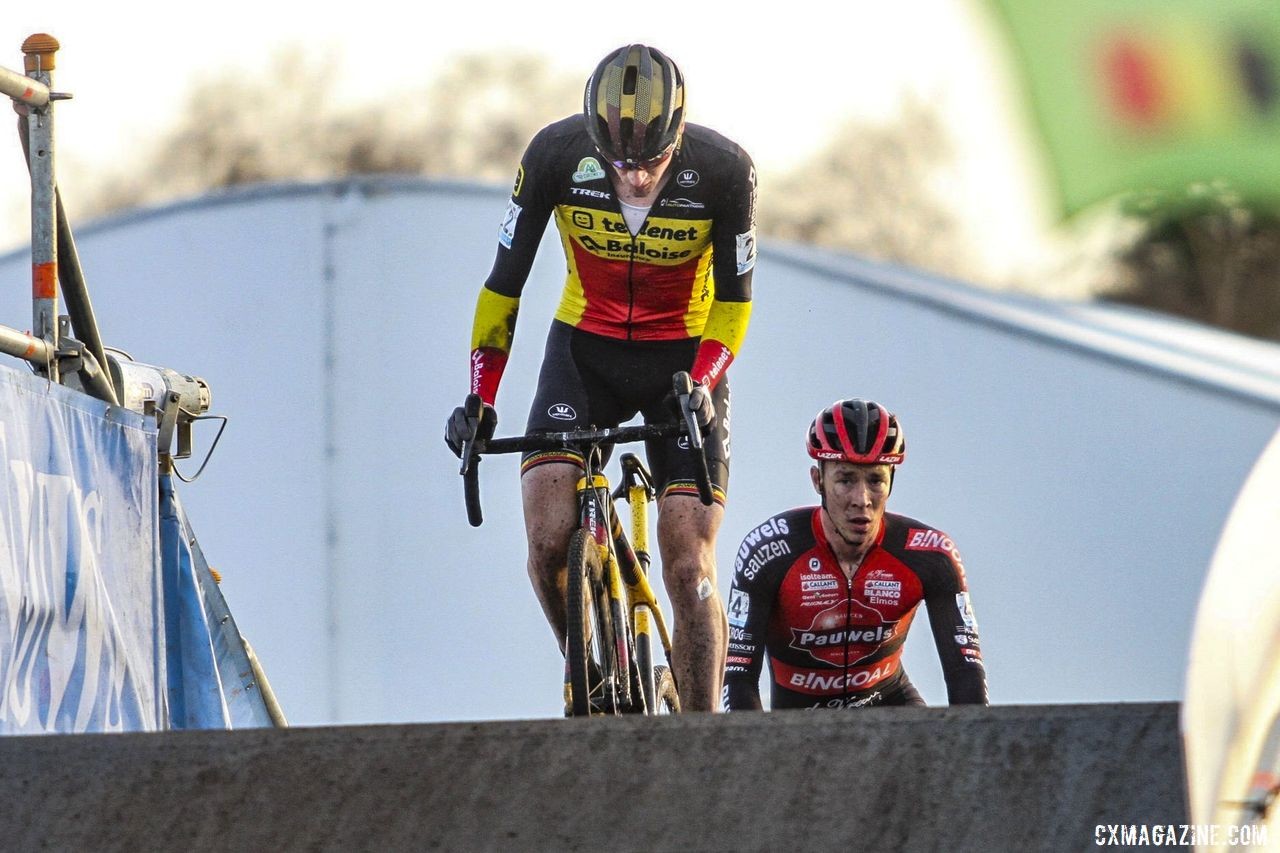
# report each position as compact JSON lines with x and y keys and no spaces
{"x":507,"y":233}
{"x":589,"y":169}
{"x":562,"y":412}
{"x":587,"y":192}
{"x":687,"y":178}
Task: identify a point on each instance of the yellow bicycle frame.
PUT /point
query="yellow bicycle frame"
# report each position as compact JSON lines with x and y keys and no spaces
{"x":632,"y":594}
{"x":643,"y":604}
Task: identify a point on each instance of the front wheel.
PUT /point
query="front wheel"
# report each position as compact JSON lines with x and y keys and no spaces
{"x":668,"y":698}
{"x":592,"y":646}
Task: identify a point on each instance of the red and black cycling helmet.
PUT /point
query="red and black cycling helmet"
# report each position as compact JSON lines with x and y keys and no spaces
{"x":634,"y":105}
{"x":858,"y":431}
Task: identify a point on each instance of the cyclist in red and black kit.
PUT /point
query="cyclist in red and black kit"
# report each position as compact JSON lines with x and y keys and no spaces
{"x":657,"y":222}
{"x":829,"y":592}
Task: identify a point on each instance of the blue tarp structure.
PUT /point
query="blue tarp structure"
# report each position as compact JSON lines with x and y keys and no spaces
{"x":110,"y":619}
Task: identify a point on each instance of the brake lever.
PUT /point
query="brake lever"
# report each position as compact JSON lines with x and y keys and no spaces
{"x":472,"y":409}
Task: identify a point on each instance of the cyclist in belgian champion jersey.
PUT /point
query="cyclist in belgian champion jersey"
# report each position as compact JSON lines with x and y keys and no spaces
{"x":657,"y":223}
{"x":829,"y":592}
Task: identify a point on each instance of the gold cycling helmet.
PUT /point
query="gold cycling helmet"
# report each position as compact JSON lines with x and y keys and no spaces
{"x":634,"y":106}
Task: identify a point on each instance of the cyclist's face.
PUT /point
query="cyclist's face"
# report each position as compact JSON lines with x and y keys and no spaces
{"x":855,"y":497}
{"x":642,"y":180}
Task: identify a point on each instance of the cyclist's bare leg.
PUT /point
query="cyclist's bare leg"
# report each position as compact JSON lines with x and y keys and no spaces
{"x":686,"y":540}
{"x":549,"y":492}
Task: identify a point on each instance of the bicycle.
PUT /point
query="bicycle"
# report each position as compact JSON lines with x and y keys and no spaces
{"x":611,"y":607}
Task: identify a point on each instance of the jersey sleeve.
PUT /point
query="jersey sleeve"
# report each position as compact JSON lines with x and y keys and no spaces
{"x":528,"y":210}
{"x":751,"y":600}
{"x":734,"y":259}
{"x":955,"y":631}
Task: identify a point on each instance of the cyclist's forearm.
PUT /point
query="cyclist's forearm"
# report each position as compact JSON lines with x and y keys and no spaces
{"x":742,"y":694}
{"x":722,"y":337}
{"x":492,"y":333}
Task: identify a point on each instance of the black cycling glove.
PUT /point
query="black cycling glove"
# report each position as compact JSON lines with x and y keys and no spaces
{"x":457,"y":430}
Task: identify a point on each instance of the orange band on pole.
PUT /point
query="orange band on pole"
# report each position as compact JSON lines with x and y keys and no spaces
{"x":44,"y":280}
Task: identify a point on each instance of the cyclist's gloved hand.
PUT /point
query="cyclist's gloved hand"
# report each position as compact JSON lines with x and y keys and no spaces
{"x":457,"y":430}
{"x":704,"y":409}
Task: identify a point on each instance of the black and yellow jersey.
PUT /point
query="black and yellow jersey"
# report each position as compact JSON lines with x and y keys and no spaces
{"x":685,"y":274}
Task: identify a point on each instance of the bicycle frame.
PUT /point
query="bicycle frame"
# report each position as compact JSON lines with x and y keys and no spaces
{"x":632,"y":603}
{"x":631,"y":596}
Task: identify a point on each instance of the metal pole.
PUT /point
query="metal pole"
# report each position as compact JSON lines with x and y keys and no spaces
{"x":23,"y":89}
{"x":39,"y":51}
{"x":75,"y":291}
{"x":24,"y":346}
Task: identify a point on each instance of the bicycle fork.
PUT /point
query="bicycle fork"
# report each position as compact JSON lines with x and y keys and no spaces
{"x":634,"y":556}
{"x":603,"y":526}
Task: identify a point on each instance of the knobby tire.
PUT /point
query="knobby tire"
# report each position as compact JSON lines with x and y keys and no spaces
{"x":668,"y":697}
{"x":591,"y":637}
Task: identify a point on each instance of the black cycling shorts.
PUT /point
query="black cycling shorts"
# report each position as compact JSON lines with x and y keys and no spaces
{"x":588,"y":380}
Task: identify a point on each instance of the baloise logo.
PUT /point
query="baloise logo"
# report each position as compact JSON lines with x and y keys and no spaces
{"x":562,"y":412}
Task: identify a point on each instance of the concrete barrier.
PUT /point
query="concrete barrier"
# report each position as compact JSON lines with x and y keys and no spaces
{"x":948,"y":779}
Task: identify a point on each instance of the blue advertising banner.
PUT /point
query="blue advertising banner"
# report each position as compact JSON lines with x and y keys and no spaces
{"x":211,"y":683}
{"x":110,"y":617}
{"x":81,"y":618}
